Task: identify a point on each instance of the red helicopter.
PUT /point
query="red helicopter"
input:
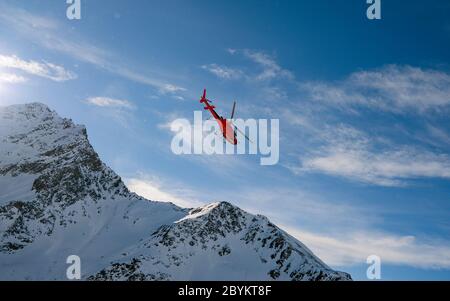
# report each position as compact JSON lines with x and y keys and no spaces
{"x":227,"y":127}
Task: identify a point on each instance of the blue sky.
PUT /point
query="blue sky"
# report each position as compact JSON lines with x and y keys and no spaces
{"x":363,"y":106}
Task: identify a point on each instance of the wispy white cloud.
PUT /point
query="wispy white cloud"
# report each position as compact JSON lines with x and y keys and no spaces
{"x":438,"y":135}
{"x":270,"y":68}
{"x":109,"y":102}
{"x":161,"y":86}
{"x":353,"y":248}
{"x":351,"y":154}
{"x":223,"y":71}
{"x":381,"y":159}
{"x":154,"y":188}
{"x":274,"y":93}
{"x":294,"y":205}
{"x":391,"y":88}
{"x":42,"y":69}
{"x":48,"y":33}
{"x":169,"y":88}
{"x":24,"y":20}
{"x":231,"y":51}
{"x":11,"y":78}
{"x":343,"y":234}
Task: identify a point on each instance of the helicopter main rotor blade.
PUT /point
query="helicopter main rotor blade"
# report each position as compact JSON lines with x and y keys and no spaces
{"x":232,"y":111}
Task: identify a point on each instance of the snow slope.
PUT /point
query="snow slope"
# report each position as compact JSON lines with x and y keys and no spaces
{"x":58,"y":199}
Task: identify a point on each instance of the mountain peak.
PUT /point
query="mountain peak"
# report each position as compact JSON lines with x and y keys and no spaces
{"x":209,"y":209}
{"x":31,"y":106}
{"x":34,"y":106}
{"x":31,"y":110}
{"x":212,"y":237}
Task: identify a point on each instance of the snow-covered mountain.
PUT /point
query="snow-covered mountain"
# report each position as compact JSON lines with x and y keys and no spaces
{"x":57,"y":199}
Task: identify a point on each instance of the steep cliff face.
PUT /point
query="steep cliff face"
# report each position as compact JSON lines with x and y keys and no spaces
{"x":51,"y":161}
{"x":57,"y":199}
